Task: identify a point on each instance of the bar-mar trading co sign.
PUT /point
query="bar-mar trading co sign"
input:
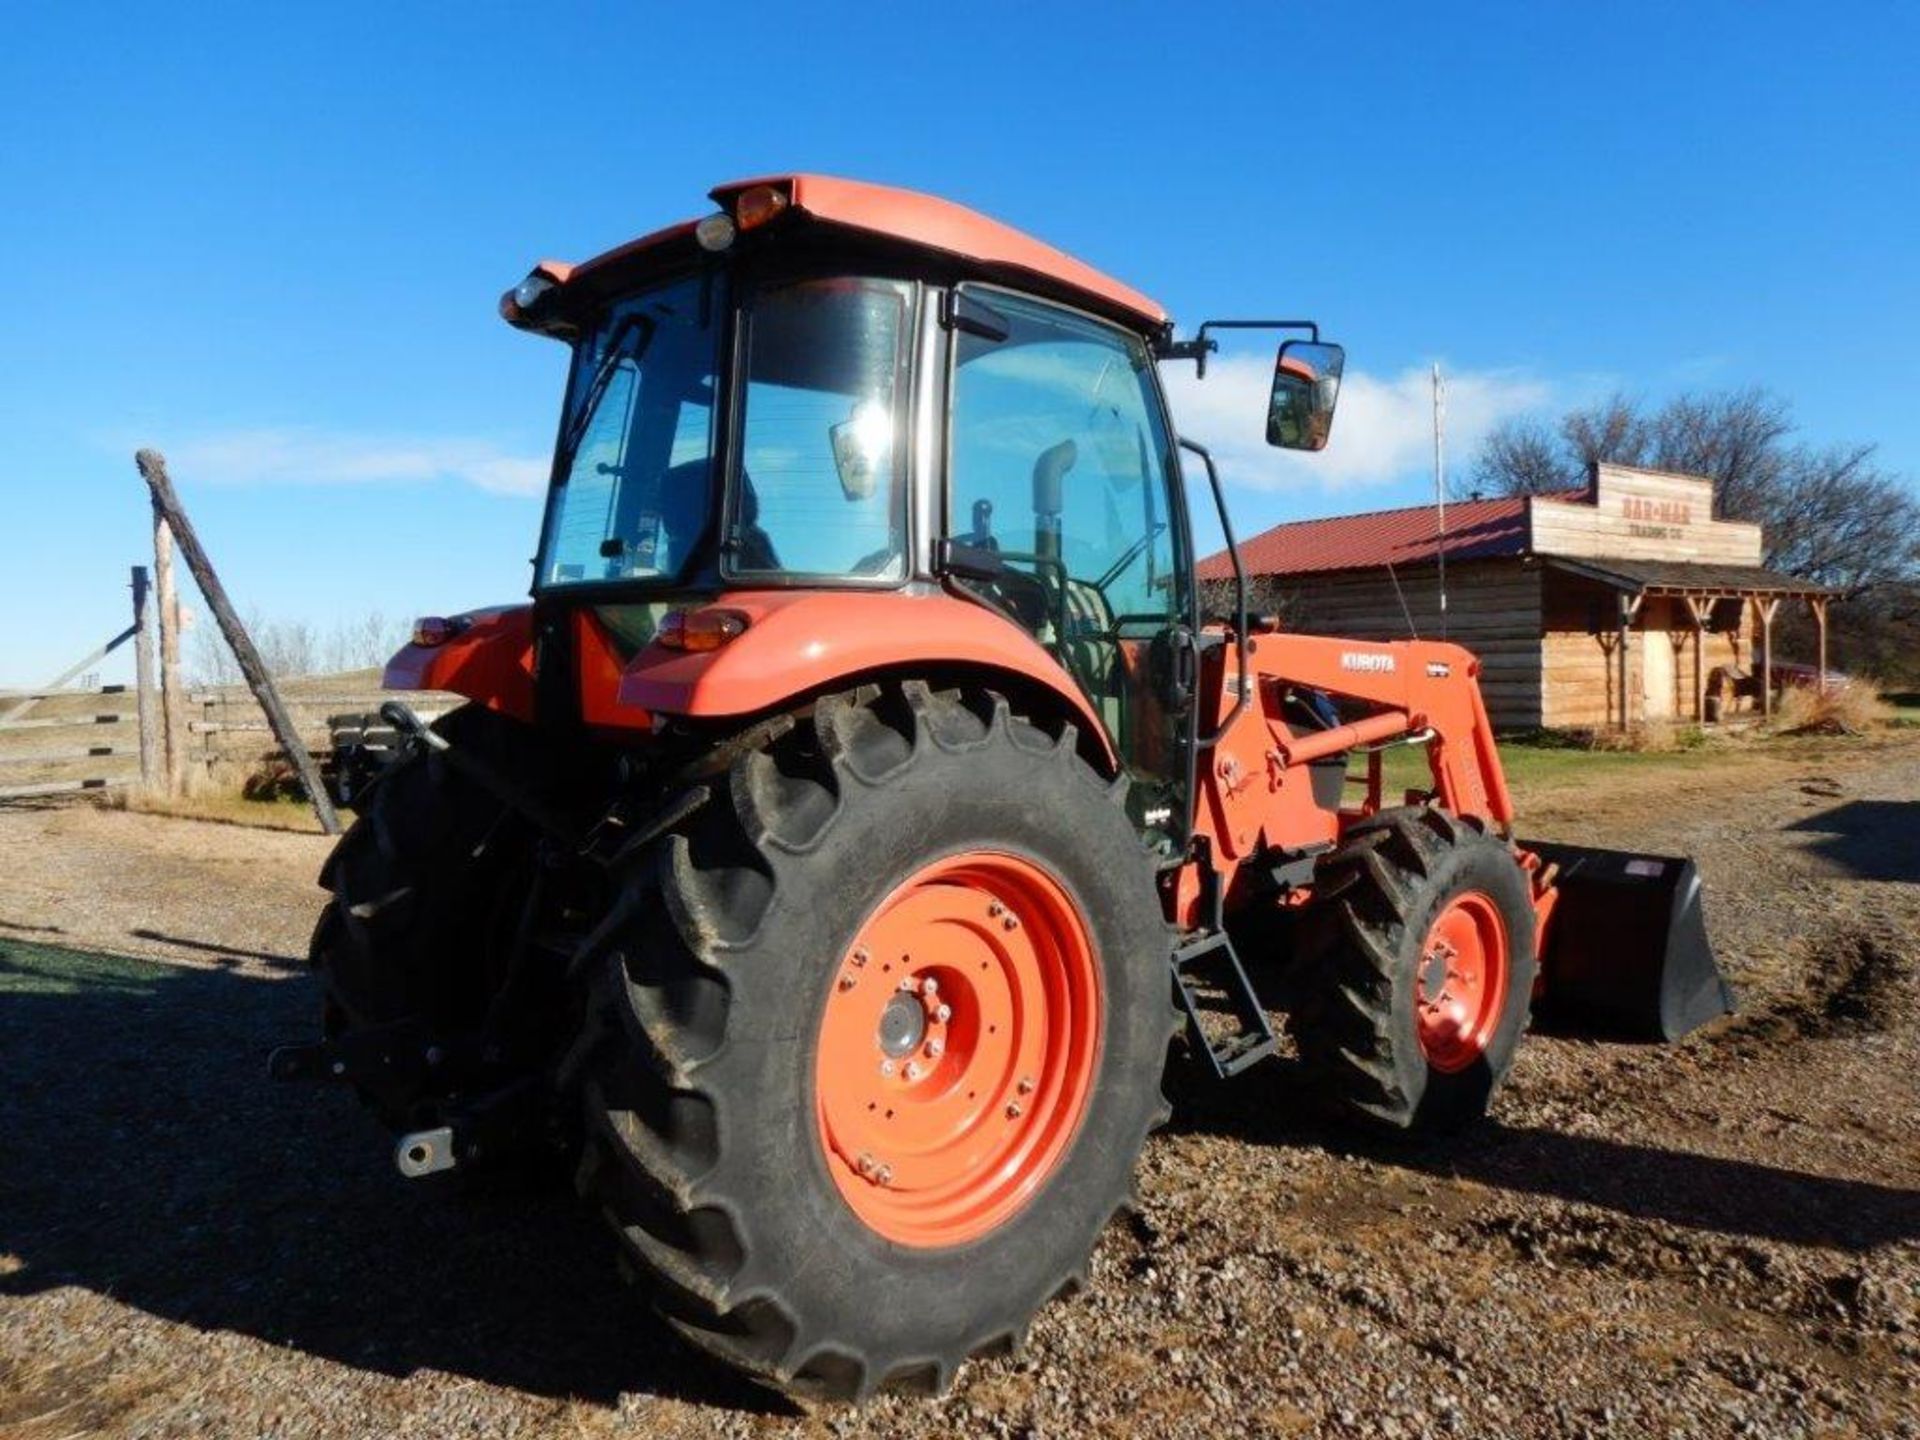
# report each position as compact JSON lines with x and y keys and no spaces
{"x":1654,"y":519}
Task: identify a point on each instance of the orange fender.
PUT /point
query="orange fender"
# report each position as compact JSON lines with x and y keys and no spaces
{"x":491,"y":662}
{"x":801,"y":641}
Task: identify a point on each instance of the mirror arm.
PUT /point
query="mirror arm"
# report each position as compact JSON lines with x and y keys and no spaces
{"x":1244,"y":679}
{"x":1198,"y":348}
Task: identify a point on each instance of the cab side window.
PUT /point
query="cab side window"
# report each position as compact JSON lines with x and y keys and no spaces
{"x":1058,"y":462}
{"x":1059,"y":471}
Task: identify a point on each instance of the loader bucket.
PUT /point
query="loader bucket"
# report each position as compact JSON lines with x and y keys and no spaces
{"x":1626,"y":951}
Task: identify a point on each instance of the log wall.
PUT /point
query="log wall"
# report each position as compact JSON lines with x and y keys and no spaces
{"x":1493,"y":609}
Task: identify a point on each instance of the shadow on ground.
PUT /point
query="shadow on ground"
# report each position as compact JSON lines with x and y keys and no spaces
{"x":1701,"y":1192}
{"x":144,"y":1155}
{"x":1870,"y":839}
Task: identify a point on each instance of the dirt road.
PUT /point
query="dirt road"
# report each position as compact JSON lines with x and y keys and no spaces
{"x":1717,"y":1238}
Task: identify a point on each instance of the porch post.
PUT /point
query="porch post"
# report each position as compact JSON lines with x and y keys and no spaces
{"x":1620,"y":645}
{"x":1766,"y":609}
{"x":1700,"y":610}
{"x":1629,"y":608}
{"x":1819,"y":604}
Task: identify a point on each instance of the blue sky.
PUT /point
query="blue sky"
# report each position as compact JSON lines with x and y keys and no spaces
{"x":269,"y":240}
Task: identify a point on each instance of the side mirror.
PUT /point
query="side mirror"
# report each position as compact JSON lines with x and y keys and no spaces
{"x":1306,"y":386}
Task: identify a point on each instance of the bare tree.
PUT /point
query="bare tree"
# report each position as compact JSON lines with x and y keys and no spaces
{"x":290,"y":648}
{"x":213,"y":663}
{"x":363,"y":643}
{"x":1524,"y":457}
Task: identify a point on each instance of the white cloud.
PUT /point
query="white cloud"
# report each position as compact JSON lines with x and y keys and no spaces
{"x":1383,"y":430}
{"x":306,"y":456}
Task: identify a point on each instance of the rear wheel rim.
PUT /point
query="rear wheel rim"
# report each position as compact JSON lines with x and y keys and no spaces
{"x":958,"y":1048}
{"x":1460,"y":991}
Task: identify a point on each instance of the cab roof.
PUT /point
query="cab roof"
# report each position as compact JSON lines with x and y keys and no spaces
{"x":977,"y":242}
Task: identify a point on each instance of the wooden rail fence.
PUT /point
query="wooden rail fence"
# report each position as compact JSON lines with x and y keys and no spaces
{"x":28,"y":771}
{"x":226,"y":727}
{"x":63,"y":739}
{"x":46,"y":764}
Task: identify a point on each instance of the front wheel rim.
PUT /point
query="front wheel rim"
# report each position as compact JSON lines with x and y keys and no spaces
{"x":958,"y":1048}
{"x":1460,"y":991}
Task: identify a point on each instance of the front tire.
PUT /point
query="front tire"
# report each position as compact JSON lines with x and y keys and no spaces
{"x":753,"y":1134}
{"x":1414,"y":1007}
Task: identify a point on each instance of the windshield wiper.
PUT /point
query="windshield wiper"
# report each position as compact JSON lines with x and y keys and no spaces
{"x":602,"y":375}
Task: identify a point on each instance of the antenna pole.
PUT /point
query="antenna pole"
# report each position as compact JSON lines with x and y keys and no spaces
{"x":1440,"y":482}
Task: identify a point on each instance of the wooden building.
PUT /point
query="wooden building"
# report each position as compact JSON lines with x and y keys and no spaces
{"x":1621,"y":603}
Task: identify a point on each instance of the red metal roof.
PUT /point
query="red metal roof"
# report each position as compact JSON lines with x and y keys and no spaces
{"x":916,"y":219}
{"x":1476,"y":529}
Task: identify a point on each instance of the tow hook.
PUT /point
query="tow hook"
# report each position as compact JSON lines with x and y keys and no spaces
{"x":425,"y":1152}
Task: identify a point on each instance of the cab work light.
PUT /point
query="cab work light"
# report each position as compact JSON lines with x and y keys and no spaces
{"x":754,"y":207}
{"x":700,"y":629}
{"x":714,"y":233}
{"x":431,"y":630}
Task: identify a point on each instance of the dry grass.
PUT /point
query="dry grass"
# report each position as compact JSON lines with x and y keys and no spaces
{"x":1850,"y":707}
{"x":1650,"y":737}
{"x":224,"y":805}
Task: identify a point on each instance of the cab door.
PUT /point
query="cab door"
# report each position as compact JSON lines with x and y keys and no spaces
{"x":1061,"y":474}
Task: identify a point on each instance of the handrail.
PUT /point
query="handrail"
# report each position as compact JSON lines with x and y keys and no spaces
{"x":1244,"y":679}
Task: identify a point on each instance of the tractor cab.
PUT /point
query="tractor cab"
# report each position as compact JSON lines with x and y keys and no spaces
{"x":833,"y":387}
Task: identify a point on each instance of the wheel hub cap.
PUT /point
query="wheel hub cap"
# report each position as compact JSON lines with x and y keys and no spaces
{"x":1463,"y":982}
{"x":957,"y":1048}
{"x":903,"y":1025}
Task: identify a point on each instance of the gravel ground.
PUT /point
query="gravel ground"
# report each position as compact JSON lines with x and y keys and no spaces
{"x":1721,"y":1237}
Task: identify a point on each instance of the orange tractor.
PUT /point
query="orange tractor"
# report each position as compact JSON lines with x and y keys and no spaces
{"x":832,"y":849}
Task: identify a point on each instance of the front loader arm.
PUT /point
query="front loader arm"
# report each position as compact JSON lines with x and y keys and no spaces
{"x":1255,"y":781}
{"x":1431,"y":687}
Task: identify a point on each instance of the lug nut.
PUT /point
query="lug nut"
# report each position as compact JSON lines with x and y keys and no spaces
{"x":930,"y":986}
{"x":913,"y":1070}
{"x":886,"y":1067}
{"x":860,"y":956}
{"x":935,"y":1049}
{"x":1026,"y":1085}
{"x":908,"y":984}
{"x":1013,"y":1110}
{"x":847,"y":982}
{"x":864,"y":1164}
{"x":943,"y":1013}
{"x":1012,"y":922}
{"x":996,"y":909}
{"x":884,"y":1175}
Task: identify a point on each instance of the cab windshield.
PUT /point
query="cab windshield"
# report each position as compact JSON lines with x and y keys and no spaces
{"x":817,"y":490}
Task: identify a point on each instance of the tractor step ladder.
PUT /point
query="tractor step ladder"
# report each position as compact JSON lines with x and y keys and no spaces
{"x":1209,"y":958}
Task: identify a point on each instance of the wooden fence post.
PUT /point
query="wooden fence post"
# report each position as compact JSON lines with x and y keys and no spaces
{"x":153,"y":469}
{"x":173,"y":709}
{"x":146,"y":702}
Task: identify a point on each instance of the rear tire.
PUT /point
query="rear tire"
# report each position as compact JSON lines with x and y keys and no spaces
{"x":1422,"y":979}
{"x":426,"y":887}
{"x":710,"y":1114}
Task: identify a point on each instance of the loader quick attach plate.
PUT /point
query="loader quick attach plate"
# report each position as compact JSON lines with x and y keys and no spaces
{"x":1627,"y":954}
